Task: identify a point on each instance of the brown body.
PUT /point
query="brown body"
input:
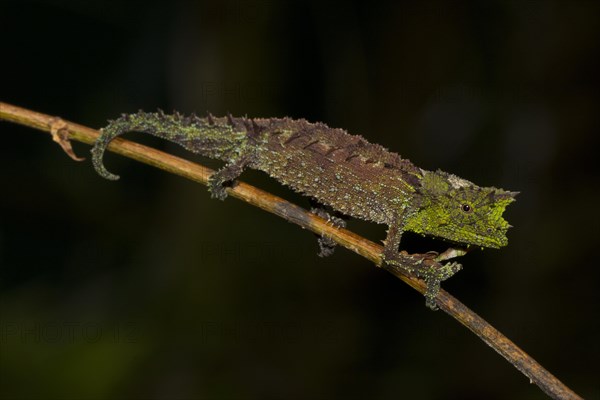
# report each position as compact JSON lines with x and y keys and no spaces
{"x":344,"y":171}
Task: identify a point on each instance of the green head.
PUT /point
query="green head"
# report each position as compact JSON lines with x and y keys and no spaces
{"x":457,"y":210}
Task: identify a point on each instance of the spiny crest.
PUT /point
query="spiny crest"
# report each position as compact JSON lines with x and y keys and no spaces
{"x":230,"y":120}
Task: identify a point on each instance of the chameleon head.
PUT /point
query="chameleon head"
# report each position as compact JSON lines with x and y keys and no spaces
{"x":457,"y":210}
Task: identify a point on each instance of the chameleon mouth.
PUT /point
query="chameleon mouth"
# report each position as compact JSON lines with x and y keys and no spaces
{"x":494,"y":237}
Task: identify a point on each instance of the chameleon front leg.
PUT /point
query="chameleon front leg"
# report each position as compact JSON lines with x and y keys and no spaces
{"x":428,"y":268}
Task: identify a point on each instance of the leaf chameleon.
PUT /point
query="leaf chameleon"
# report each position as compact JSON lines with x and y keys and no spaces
{"x":342,"y":171}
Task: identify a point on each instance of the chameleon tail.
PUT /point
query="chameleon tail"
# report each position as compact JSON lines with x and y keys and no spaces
{"x":211,"y":137}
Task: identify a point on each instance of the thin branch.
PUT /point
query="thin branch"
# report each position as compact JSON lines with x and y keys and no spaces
{"x":276,"y":205}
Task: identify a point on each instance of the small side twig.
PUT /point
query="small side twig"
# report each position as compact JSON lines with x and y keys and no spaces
{"x":276,"y":205}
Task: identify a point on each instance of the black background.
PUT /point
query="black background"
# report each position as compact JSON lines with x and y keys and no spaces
{"x":147,"y":288}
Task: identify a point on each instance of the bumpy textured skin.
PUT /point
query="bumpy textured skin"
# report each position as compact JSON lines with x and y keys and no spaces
{"x":343,"y":171}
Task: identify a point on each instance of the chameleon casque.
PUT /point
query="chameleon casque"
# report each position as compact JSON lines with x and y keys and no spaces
{"x":345,"y":172}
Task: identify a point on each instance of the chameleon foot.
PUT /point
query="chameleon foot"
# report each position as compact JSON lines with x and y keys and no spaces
{"x":326,"y":244}
{"x":426,"y":268}
{"x":218,"y":181}
{"x":216,"y":187}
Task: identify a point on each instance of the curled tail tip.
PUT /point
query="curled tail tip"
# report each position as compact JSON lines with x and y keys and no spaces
{"x":106,"y":174}
{"x":97,"y":153}
{"x":109,"y":175}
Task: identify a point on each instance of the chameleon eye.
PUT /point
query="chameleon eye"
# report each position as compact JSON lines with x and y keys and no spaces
{"x":466,"y":208}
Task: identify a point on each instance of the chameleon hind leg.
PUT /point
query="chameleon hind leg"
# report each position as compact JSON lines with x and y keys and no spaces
{"x":427,"y":268}
{"x":326,"y":244}
{"x":221,"y":179}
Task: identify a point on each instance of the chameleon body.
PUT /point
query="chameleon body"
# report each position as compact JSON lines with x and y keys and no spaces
{"x":342,"y":171}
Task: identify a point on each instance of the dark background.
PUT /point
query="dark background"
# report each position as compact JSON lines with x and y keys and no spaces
{"x":147,"y":288}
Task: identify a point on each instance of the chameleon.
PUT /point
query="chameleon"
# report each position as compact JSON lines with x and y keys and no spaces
{"x":339,"y":170}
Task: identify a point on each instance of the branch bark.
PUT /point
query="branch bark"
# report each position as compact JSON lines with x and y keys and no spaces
{"x":63,"y":131}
